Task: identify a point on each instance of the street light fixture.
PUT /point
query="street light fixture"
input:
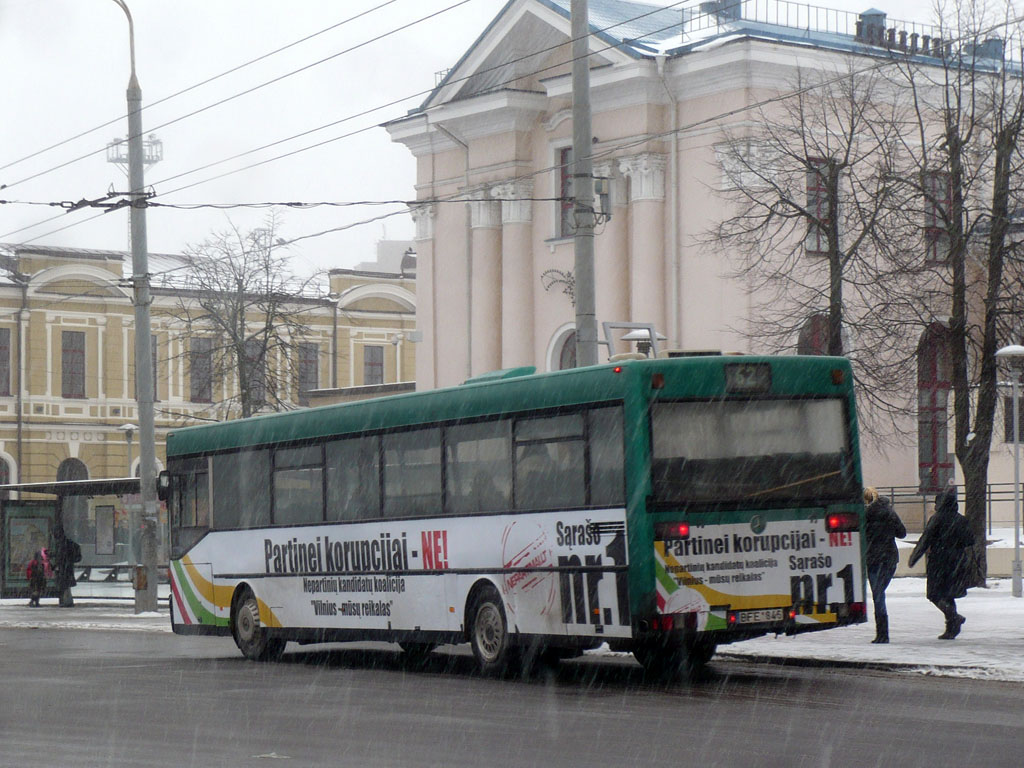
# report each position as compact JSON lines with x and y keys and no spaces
{"x":129,"y":432}
{"x":1014,"y":354}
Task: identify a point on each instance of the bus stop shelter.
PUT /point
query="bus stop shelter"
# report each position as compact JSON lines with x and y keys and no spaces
{"x":98,"y":514}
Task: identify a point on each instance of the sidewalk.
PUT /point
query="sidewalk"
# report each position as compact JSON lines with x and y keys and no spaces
{"x":991,"y":645}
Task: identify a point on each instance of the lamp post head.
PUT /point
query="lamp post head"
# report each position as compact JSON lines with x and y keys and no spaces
{"x":1011,"y":352}
{"x":129,"y":430}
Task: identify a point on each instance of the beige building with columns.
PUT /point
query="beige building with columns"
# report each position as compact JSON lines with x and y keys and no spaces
{"x":492,"y":144}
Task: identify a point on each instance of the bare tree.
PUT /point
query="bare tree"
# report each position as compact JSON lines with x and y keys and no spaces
{"x":963,"y":164}
{"x":246,"y":317}
{"x":808,"y":177}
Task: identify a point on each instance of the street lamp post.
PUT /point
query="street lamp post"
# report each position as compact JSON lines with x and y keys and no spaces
{"x":145,"y":583}
{"x":1014,"y":353}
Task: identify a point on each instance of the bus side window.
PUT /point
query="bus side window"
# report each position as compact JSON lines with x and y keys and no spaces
{"x":353,"y":479}
{"x":298,"y":485}
{"x":605,"y":443}
{"x":549,"y":471}
{"x":412,"y":473}
{"x":242,"y":495}
{"x":478,"y":472}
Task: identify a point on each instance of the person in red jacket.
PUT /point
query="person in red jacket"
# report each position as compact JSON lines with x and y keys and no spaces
{"x":36,"y":573}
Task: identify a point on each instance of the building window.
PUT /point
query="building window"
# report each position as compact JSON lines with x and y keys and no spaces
{"x":5,"y":477}
{"x":201,"y":370}
{"x":813,"y":338}
{"x":567,"y":354}
{"x":373,"y":364}
{"x":255,"y":366}
{"x":5,"y":361}
{"x":938,"y":193}
{"x":566,"y":225}
{"x":72,"y":363}
{"x":817,"y":206}
{"x":309,"y":362}
{"x":935,"y":466}
{"x":1008,"y":419}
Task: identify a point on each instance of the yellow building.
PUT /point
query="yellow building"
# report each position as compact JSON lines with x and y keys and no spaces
{"x":67,"y":373}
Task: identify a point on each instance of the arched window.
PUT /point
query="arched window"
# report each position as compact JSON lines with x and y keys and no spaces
{"x":74,"y":510}
{"x":813,"y":338}
{"x":567,"y":352}
{"x":5,"y":477}
{"x":934,"y":380}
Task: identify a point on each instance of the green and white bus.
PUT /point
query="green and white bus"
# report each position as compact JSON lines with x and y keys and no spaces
{"x":661,"y":506}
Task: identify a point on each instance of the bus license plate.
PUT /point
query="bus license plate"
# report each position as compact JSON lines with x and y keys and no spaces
{"x":759,"y":616}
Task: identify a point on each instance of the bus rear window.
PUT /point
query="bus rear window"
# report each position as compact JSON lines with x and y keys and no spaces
{"x":741,"y":452}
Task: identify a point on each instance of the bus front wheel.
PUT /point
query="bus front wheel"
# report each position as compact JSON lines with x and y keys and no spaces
{"x":250,"y":636}
{"x":489,"y":632}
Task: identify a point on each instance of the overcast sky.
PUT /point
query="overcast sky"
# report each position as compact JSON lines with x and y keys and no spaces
{"x":65,"y":66}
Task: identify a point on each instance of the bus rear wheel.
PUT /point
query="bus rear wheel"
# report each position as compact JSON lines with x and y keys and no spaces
{"x":251,"y":636}
{"x":488,"y":634}
{"x":667,"y":661}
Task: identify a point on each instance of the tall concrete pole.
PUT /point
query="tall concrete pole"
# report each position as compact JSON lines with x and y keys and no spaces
{"x":583,"y":187}
{"x":145,"y":587}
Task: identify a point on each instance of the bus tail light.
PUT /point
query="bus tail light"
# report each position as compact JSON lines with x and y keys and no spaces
{"x":858,"y":611}
{"x":838,"y":522}
{"x":668,"y":531}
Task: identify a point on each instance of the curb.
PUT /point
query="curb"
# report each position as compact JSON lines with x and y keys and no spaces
{"x":817,"y":663}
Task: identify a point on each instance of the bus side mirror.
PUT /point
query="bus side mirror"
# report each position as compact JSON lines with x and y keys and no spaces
{"x":163,"y":485}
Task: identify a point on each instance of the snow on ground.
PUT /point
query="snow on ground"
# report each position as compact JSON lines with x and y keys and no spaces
{"x":991,"y":645}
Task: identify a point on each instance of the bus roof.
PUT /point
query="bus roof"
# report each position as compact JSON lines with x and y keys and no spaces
{"x":489,"y":395}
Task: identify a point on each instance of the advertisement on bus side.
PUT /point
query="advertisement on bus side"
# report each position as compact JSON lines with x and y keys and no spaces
{"x":560,"y":573}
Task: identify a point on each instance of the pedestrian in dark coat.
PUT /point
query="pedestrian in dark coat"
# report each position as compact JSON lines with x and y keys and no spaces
{"x":66,"y":554}
{"x":948,"y":541}
{"x":36,"y":573}
{"x":882,"y":527}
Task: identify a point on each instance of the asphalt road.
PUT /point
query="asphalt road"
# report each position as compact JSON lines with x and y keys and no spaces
{"x":94,"y":698}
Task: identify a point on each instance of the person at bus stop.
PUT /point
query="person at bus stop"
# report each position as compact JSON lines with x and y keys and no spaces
{"x":66,"y":553}
{"x":882,"y":526}
{"x":948,"y":541}
{"x":36,"y":573}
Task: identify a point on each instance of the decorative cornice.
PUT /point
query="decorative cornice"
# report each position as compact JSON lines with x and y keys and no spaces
{"x":516,"y":203}
{"x":646,"y":171}
{"x":557,"y":119}
{"x":484,"y":214}
{"x":423,"y":217}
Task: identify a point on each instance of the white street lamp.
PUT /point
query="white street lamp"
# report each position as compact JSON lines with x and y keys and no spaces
{"x":1014,"y":354}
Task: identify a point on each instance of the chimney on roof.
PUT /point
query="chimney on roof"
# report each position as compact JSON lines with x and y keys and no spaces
{"x":871,"y":27}
{"x":724,"y":10}
{"x":992,"y":48}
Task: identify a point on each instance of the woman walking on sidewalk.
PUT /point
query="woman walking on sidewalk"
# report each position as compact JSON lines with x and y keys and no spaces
{"x":948,"y":540}
{"x":883,"y":526}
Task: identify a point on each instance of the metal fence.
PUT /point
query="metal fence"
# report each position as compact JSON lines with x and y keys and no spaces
{"x":914,"y":508}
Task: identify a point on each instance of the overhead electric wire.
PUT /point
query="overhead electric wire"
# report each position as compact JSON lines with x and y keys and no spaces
{"x":201,"y":83}
{"x":248,"y":90}
{"x":360,"y":114}
{"x":614,"y":149}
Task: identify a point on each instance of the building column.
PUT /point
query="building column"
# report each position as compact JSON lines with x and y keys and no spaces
{"x":426,"y":316}
{"x":611,"y":253}
{"x":646,"y":174}
{"x":517,"y":278}
{"x":485,"y":312}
